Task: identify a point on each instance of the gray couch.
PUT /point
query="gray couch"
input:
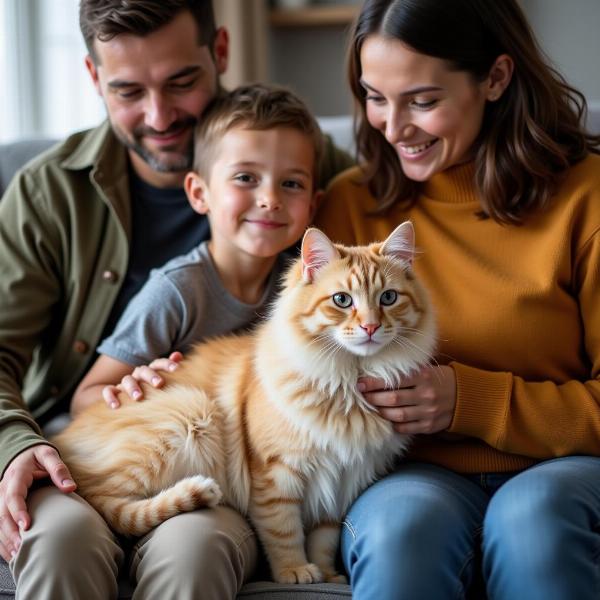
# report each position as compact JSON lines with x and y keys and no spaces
{"x":12,"y":157}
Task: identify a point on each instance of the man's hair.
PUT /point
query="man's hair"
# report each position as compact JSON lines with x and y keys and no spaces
{"x":258,"y":107}
{"x":105,"y":19}
{"x":529,"y":136}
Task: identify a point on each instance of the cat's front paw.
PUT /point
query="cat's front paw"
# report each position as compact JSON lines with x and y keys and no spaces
{"x":307,"y":573}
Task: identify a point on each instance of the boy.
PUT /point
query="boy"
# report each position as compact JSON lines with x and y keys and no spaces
{"x":255,"y":179}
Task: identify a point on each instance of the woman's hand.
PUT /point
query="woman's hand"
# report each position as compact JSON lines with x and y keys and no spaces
{"x":150,"y":374}
{"x":424,"y":404}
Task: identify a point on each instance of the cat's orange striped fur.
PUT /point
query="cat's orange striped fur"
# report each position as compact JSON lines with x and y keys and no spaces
{"x":270,"y":422}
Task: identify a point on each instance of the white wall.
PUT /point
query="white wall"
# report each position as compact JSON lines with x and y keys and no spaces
{"x":311,"y":59}
{"x":569,"y":31}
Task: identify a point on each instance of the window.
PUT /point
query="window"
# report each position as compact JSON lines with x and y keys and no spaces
{"x":47,"y":91}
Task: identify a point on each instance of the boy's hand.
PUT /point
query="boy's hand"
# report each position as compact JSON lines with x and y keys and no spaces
{"x":147,"y":373}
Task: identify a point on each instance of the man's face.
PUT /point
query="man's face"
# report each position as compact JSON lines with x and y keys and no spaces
{"x":154,"y":88}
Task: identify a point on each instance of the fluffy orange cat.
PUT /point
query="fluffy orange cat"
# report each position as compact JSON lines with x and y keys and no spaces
{"x":270,"y":422}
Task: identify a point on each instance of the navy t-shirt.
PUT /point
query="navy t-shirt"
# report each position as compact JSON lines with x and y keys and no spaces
{"x":164,"y":225}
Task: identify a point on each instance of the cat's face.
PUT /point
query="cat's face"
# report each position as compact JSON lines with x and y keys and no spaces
{"x":363,"y":299}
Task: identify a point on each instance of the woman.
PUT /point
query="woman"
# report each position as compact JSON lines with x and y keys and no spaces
{"x":466,"y":130}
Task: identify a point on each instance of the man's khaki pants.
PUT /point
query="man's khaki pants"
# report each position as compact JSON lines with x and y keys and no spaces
{"x":70,"y":553}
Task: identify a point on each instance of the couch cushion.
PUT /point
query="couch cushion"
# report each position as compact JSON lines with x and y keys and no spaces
{"x":13,"y":156}
{"x":258,"y":590}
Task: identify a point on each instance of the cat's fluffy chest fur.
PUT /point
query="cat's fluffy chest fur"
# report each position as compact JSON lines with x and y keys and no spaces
{"x":334,"y":438}
{"x":270,"y":422}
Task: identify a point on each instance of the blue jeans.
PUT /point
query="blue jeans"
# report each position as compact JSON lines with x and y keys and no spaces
{"x":426,"y":533}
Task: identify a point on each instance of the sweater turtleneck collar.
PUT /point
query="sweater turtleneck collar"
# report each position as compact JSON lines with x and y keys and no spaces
{"x":454,"y":185}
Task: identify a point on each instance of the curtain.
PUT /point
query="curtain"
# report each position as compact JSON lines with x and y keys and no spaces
{"x":247,"y":22}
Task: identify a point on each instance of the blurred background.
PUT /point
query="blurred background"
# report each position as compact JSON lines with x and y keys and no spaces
{"x":46,"y":91}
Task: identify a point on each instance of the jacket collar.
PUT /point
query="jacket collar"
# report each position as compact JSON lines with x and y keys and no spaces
{"x":105,"y":156}
{"x":99,"y":148}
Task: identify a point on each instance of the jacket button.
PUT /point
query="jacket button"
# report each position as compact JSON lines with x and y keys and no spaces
{"x":110,"y":276}
{"x":80,"y":347}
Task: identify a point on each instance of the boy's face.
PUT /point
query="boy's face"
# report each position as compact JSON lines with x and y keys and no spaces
{"x":260,"y":196}
{"x":154,"y":88}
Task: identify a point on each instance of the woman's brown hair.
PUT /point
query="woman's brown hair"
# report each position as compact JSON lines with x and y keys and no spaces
{"x":531,"y":135}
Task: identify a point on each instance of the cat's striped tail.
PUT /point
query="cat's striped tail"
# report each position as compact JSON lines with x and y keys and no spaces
{"x":138,"y":517}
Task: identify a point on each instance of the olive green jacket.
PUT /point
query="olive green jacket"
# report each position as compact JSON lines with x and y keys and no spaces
{"x":65,"y":227}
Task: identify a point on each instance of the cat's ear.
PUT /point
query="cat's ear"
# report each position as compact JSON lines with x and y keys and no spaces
{"x":317,"y":251}
{"x":400,"y":243}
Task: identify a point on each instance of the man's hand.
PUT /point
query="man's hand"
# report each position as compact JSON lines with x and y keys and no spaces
{"x":424,"y":404}
{"x":36,"y":462}
{"x":147,"y":373}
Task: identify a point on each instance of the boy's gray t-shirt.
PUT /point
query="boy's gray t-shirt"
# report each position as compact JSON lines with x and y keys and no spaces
{"x":183,"y":303}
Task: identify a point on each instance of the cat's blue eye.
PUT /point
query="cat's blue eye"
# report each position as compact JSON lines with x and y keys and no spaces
{"x":388,"y":297}
{"x":342,"y":300}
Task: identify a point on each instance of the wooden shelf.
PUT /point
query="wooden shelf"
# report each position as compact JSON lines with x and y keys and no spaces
{"x":313,"y":16}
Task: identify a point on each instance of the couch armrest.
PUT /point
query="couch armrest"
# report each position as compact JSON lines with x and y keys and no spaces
{"x":16,"y":154}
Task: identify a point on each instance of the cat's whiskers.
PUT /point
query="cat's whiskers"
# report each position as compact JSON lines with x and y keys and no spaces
{"x":429,"y":355}
{"x":320,"y":338}
{"x":415,"y":353}
{"x":326,"y":343}
{"x":413,"y":343}
{"x":405,"y":343}
{"x":328,"y":351}
{"x":415,"y":331}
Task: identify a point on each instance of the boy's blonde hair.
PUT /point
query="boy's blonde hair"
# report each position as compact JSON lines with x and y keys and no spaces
{"x":258,"y":107}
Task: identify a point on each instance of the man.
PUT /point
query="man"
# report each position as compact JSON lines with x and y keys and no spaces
{"x":80,"y":229}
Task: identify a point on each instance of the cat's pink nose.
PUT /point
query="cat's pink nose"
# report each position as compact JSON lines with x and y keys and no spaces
{"x":371,"y":328}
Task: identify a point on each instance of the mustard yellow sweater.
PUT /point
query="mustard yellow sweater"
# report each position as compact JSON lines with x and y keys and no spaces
{"x":518,"y":309}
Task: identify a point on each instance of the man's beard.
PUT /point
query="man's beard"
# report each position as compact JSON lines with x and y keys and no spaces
{"x":166,"y":161}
